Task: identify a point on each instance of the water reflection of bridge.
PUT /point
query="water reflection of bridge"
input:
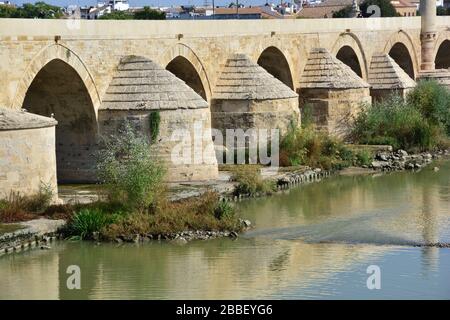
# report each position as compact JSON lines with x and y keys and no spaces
{"x":254,"y":267}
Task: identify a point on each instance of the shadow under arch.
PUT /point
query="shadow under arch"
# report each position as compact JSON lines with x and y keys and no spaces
{"x":401,"y":56}
{"x":184,"y":62}
{"x":349,"y":50}
{"x":183,"y":69}
{"x":63,"y":53}
{"x":400,"y":47}
{"x":348,"y":56}
{"x":442,"y":58}
{"x":274,"y":61}
{"x":57,"y":89}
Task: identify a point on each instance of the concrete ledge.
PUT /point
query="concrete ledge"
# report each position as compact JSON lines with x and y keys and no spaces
{"x":31,"y":28}
{"x":36,"y":233}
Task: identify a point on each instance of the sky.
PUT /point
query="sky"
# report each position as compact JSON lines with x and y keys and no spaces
{"x":140,"y":3}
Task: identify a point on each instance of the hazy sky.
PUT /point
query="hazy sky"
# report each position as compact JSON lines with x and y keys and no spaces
{"x":139,"y":3}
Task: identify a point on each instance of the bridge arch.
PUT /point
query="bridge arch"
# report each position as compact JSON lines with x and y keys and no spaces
{"x":182,"y":61}
{"x":57,"y":87}
{"x":349,"y":50}
{"x":63,"y":53}
{"x":442,"y":51}
{"x":400,"y":47}
{"x":275,"y":62}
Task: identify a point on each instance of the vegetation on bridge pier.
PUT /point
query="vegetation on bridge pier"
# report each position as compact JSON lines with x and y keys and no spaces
{"x":418,"y":123}
{"x":135,"y":203}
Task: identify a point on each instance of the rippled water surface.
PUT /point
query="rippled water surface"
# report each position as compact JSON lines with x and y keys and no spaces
{"x":315,"y":241}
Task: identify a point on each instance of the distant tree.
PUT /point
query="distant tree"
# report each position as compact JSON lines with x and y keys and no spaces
{"x":441,"y":11}
{"x":343,"y":13}
{"x":146,"y":14}
{"x":117,"y":15}
{"x":386,"y":8}
{"x":7,"y":11}
{"x":149,"y":14}
{"x":39,"y":10}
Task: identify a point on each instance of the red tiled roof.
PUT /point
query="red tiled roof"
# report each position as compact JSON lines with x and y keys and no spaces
{"x":320,"y":11}
{"x":402,"y":4}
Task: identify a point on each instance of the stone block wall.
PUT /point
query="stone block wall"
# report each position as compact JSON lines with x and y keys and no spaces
{"x":381,"y":94}
{"x":27,"y":159}
{"x":194,"y":128}
{"x":254,"y":114}
{"x":333,"y":110}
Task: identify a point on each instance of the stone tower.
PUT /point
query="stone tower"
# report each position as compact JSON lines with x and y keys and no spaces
{"x":428,"y":33}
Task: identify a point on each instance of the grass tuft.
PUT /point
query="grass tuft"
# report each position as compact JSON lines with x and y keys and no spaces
{"x":249,"y":180}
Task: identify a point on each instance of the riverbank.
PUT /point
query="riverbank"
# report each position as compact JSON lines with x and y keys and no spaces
{"x":384,"y":160}
{"x":334,"y":229}
{"x":37,"y":233}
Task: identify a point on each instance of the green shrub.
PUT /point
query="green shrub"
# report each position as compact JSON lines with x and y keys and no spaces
{"x":18,"y":207}
{"x":154,"y":121}
{"x":149,"y":14}
{"x":307,"y":146}
{"x":249,"y":180}
{"x":307,"y":116}
{"x":40,"y":201}
{"x":394,"y":122}
{"x":385,"y":6}
{"x":128,"y":169}
{"x":205,"y":212}
{"x":89,"y":220}
{"x":14,"y":208}
{"x":223,"y":210}
{"x":363,"y":158}
{"x":433,"y":102}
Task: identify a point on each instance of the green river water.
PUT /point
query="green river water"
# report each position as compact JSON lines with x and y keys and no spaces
{"x":314,"y":241}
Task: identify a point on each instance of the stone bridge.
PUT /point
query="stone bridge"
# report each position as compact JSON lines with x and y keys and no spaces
{"x":196,"y":51}
{"x":69,"y":67}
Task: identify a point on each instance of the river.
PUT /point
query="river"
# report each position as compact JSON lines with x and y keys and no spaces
{"x":313,"y":241}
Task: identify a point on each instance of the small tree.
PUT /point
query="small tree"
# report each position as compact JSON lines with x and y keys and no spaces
{"x":149,"y":14}
{"x":7,"y":11}
{"x":117,"y":15}
{"x":386,"y":8}
{"x":433,"y":102}
{"x":343,"y":13}
{"x":39,"y":10}
{"x":128,"y":169}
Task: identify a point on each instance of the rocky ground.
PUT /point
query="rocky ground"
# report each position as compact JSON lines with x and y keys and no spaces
{"x":181,"y":237}
{"x":401,"y":160}
{"x":184,"y":236}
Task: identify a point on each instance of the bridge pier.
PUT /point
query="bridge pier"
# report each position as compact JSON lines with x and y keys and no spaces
{"x":428,"y":33}
{"x":27,"y":154}
{"x":428,"y":39}
{"x":247,"y":97}
{"x":332,"y":92}
{"x":386,"y":77}
{"x":139,"y":88}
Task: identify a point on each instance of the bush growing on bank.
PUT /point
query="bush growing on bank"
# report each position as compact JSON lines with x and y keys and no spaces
{"x":205,"y":212}
{"x":249,"y":180}
{"x":18,"y":207}
{"x":363,"y":158}
{"x":89,"y":220}
{"x":307,"y":146}
{"x":419,"y":123}
{"x":128,"y":170}
{"x":433,"y":102}
{"x":136,"y":202}
{"x":111,"y":221}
